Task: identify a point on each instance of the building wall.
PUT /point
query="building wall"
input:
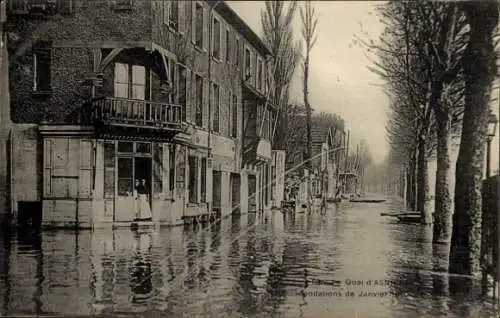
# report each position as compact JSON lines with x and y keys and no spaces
{"x":72,"y":33}
{"x":26,"y":165}
{"x":5,"y":121}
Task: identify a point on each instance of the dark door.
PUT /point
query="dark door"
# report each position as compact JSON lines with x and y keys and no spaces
{"x":216,"y":192}
{"x":252,"y":187}
{"x":235,"y":193}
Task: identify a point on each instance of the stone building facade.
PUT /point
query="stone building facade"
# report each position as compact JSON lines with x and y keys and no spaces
{"x":104,"y":93}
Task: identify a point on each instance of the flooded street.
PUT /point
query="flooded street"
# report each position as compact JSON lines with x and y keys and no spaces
{"x":350,"y":263}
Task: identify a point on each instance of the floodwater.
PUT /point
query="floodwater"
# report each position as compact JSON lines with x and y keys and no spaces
{"x":352,"y":262}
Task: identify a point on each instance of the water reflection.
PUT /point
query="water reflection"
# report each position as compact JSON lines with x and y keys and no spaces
{"x":250,"y":265}
{"x":140,"y":281}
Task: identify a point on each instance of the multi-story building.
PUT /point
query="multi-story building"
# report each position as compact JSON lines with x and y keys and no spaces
{"x":107,"y":92}
{"x":4,"y":114}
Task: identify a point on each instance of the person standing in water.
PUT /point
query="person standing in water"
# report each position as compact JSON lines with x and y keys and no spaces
{"x":143,"y":208}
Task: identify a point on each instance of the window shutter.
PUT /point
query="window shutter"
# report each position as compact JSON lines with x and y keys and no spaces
{"x":86,"y":168}
{"x":47,"y":165}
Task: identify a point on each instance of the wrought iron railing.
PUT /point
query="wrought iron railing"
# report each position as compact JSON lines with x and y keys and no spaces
{"x":132,"y":112}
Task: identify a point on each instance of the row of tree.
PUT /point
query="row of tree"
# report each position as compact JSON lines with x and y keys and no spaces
{"x":438,"y":61}
{"x":294,"y":123}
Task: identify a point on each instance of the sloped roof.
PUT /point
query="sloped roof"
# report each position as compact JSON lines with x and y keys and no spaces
{"x":319,"y":136}
{"x":234,"y":19}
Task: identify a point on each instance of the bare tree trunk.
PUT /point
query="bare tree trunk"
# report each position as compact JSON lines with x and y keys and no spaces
{"x":479,"y":69}
{"x":422,"y":183}
{"x":443,"y":203}
{"x":309,"y":112}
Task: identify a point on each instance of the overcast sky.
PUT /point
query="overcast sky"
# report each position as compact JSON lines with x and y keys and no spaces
{"x":339,"y":79}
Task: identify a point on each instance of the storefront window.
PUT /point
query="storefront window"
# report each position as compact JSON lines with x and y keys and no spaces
{"x":125,"y":176}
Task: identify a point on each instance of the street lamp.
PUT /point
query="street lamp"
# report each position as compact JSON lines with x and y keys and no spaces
{"x":492,"y":128}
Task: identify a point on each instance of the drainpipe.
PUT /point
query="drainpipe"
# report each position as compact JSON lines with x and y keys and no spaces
{"x":209,"y":75}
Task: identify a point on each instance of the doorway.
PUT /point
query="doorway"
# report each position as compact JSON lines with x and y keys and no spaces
{"x":217,"y":191}
{"x":142,"y":171}
{"x":235,"y":193}
{"x":252,"y":189}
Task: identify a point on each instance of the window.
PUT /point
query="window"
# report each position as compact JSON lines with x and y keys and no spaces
{"x":216,"y":42}
{"x":182,"y":90}
{"x":263,"y":76}
{"x":198,"y":25}
{"x":229,"y":52}
{"x":237,"y":52}
{"x":180,"y":164}
{"x":173,"y":20}
{"x":125,"y":176}
{"x":234,"y":116}
{"x":199,"y":100}
{"x":130,"y":81}
{"x":171,"y":169}
{"x":259,"y":73}
{"x":247,"y":65}
{"x":41,"y":68}
{"x":193,"y":179}
{"x":125,"y":147}
{"x":215,"y":108}
{"x":203,"y":179}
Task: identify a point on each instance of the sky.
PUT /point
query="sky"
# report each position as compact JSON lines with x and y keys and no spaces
{"x":340,"y":81}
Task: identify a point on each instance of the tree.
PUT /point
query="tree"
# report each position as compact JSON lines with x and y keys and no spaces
{"x":309,"y":23}
{"x":278,"y":35}
{"x":479,"y":70}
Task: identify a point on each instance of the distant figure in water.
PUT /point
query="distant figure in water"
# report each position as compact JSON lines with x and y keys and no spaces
{"x":143,"y":211}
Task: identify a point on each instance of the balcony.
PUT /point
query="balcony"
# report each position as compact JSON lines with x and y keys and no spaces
{"x":139,"y":114}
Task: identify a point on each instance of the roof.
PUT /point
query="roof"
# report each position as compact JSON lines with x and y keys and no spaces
{"x":319,"y":136}
{"x":234,"y":19}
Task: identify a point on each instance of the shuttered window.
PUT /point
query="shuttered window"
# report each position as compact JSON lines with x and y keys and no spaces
{"x":42,"y":60}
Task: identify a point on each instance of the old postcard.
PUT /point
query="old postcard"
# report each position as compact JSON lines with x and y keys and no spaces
{"x":249,"y":158}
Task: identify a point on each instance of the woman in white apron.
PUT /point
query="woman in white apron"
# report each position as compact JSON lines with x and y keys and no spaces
{"x":143,"y":210}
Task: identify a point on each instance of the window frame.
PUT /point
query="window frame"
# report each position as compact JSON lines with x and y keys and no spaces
{"x":237,"y":52}
{"x":216,"y":93}
{"x":38,"y":70}
{"x":217,"y":57}
{"x":247,"y":67}
{"x":229,"y":47}
{"x":198,"y":100}
{"x":197,"y":5}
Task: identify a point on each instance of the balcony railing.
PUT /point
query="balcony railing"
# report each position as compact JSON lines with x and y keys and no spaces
{"x":137,"y":113}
